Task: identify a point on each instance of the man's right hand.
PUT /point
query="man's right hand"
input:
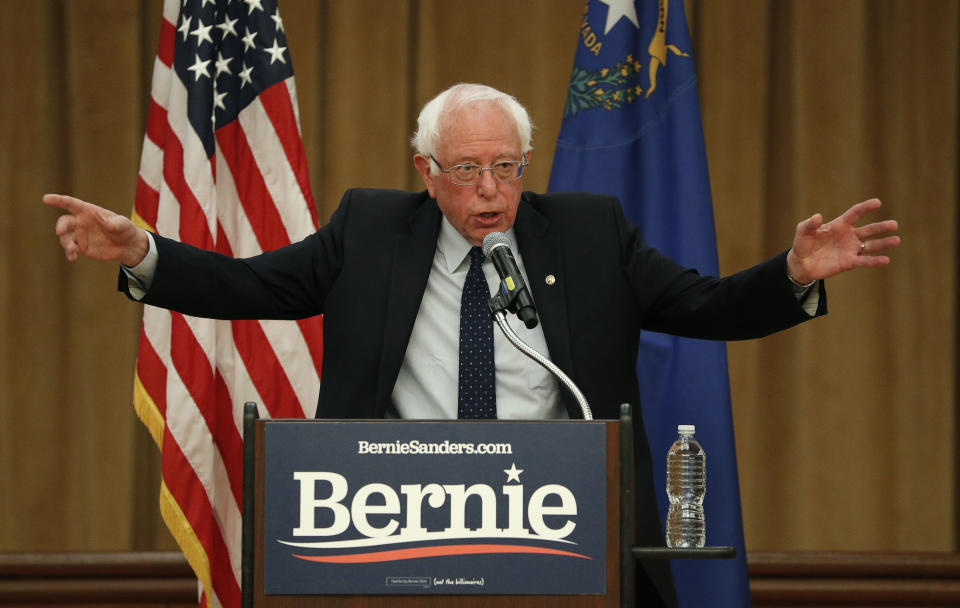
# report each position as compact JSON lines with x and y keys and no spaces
{"x":97,"y":233}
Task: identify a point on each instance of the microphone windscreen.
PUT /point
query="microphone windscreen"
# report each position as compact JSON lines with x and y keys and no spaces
{"x":494,"y":240}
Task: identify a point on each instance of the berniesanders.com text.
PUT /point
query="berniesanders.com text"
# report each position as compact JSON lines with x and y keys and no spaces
{"x":416,"y":447}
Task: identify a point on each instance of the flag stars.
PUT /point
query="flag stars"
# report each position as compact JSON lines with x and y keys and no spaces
{"x":248,"y":42}
{"x":199,"y":68}
{"x":217,"y":74}
{"x":218,"y":100}
{"x":227,"y":27}
{"x":202,"y":33}
{"x":185,"y":27}
{"x":276,"y":52}
{"x":223,"y":64}
{"x":244,"y":75}
{"x":617,"y":10}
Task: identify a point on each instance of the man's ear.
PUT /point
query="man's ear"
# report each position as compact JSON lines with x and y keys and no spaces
{"x":422,"y":164}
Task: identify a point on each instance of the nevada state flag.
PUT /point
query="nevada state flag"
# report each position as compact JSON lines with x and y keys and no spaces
{"x":631,"y":128}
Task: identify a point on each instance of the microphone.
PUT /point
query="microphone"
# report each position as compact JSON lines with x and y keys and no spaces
{"x":496,"y":246}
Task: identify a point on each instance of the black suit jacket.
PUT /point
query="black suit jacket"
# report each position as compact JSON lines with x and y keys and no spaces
{"x":367,"y":269}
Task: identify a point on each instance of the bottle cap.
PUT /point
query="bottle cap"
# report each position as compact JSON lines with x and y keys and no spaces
{"x":686,"y":428}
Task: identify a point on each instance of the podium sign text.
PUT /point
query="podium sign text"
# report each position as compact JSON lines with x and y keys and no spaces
{"x":434,"y":508}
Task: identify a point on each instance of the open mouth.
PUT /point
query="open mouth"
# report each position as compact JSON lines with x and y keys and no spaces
{"x":488,"y":218}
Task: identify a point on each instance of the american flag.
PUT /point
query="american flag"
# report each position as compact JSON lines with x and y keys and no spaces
{"x":222,"y":168}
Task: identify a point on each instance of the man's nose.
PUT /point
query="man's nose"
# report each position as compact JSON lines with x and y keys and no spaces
{"x":487,"y":186}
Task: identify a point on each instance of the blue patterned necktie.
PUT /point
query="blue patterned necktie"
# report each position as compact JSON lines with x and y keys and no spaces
{"x":477,"y":392}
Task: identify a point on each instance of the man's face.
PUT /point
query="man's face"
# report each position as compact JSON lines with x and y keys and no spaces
{"x":482,"y":134}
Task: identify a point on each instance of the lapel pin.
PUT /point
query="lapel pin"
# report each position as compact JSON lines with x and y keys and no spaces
{"x":550,"y":279}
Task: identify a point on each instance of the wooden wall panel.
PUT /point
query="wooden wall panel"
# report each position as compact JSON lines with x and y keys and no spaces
{"x":30,"y":475}
{"x":102,"y":138}
{"x":304,"y":25}
{"x":365,"y":117}
{"x":525,"y":49}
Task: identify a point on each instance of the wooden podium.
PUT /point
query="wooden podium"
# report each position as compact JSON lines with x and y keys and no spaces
{"x":620,"y":551}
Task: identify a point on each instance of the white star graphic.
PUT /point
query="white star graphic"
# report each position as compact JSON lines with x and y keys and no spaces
{"x":218,"y":100}
{"x":227,"y":27}
{"x":222,"y":64}
{"x":248,"y":40}
{"x":253,"y":5}
{"x":513,"y":473}
{"x":185,"y":27}
{"x":276,"y":52}
{"x":618,"y":9}
{"x":202,"y":33}
{"x":199,"y":68}
{"x":245,"y":76}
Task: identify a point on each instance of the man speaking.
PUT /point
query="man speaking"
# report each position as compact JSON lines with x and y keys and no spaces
{"x":403,"y":285}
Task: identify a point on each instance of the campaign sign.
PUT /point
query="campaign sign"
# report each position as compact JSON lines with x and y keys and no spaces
{"x":434,"y":508}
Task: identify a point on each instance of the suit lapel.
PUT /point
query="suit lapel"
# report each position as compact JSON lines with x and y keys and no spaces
{"x":412,"y":258}
{"x":542,"y":252}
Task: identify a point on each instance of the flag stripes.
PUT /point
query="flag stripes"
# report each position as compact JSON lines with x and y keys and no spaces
{"x":236,"y":183}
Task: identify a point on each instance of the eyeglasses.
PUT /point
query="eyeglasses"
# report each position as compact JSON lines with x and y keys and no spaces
{"x":469,"y":174}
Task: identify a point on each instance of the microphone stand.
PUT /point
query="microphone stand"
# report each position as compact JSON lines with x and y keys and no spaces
{"x":499,"y":304}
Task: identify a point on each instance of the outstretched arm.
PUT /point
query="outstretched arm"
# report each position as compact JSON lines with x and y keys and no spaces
{"x":823,"y":250}
{"x":97,"y":233}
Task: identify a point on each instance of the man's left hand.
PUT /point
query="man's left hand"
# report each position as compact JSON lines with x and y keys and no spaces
{"x":822,"y":250}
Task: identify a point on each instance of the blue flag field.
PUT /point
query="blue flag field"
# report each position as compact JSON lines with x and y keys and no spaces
{"x":631,"y":128}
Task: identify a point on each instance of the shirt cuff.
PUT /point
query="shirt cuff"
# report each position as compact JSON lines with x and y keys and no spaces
{"x":140,"y":277}
{"x":807,"y":295}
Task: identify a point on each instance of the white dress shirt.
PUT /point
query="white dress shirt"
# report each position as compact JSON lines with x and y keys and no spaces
{"x":427,"y":384}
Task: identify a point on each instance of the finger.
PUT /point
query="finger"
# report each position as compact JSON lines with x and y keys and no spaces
{"x":70,"y":247}
{"x":113,"y":222}
{"x":877,"y":228}
{"x":62,"y":201}
{"x":870,"y":261}
{"x":65,"y":224}
{"x":855,"y":214}
{"x":875,"y":245}
{"x":810,"y":225}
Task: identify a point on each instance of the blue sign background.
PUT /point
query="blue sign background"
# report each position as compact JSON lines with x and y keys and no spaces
{"x":571,"y":454}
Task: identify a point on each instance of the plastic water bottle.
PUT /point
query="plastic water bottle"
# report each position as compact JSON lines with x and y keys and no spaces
{"x":686,"y":485}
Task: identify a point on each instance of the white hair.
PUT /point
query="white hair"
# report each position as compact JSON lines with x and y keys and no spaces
{"x":435,"y":114}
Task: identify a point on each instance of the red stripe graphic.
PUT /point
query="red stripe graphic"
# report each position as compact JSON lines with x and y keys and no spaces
{"x":262,"y":364}
{"x":251,"y":189}
{"x":439,"y":551}
{"x":265,"y":370}
{"x":152,"y":372}
{"x":156,"y":130}
{"x":279,"y":108}
{"x":193,"y":221}
{"x":186,"y":488}
{"x":192,"y":364}
{"x":147,"y":202}
{"x":226,"y":437}
{"x":312,"y":329}
{"x":168,"y":34}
